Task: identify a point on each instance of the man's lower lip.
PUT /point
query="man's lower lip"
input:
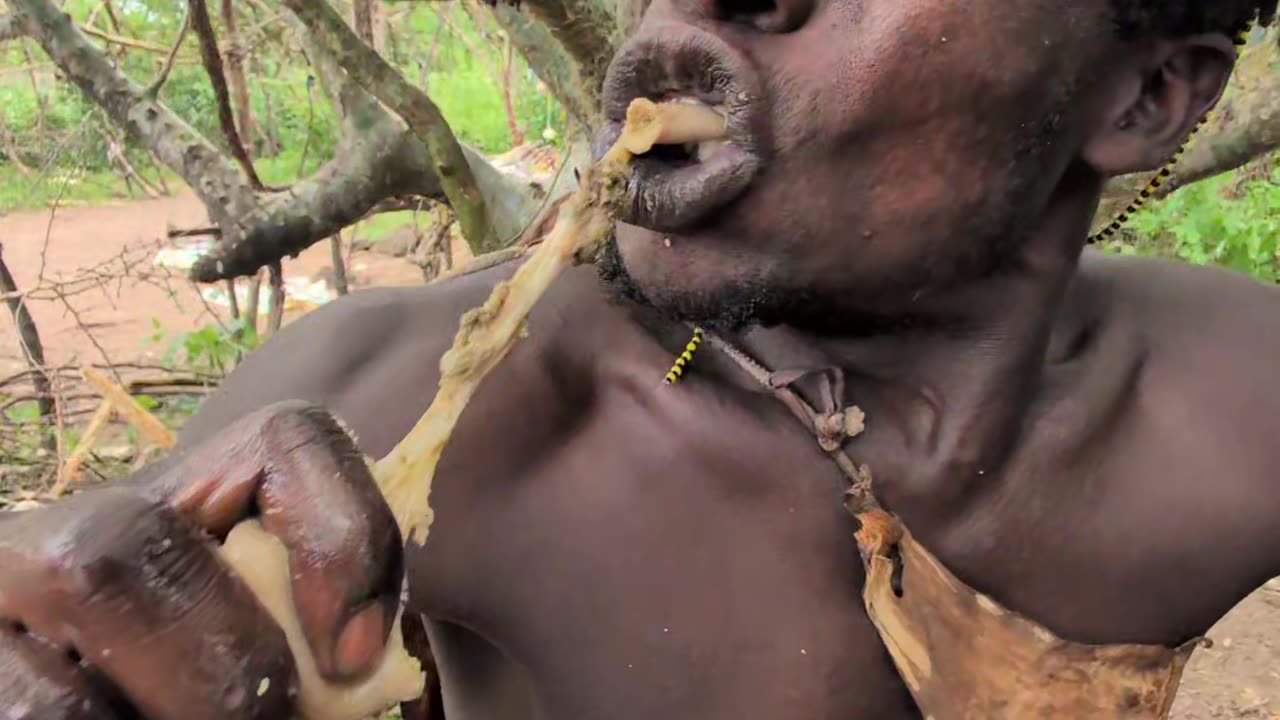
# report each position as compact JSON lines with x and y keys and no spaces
{"x":667,"y":197}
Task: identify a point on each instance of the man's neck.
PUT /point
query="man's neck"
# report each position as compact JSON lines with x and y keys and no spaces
{"x":946,"y":400}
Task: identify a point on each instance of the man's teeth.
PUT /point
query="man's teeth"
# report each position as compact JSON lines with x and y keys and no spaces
{"x":704,"y":150}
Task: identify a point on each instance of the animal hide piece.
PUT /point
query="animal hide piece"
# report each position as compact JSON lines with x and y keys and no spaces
{"x":964,"y":657}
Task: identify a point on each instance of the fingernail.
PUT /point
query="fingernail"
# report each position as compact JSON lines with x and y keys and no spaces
{"x":361,"y":642}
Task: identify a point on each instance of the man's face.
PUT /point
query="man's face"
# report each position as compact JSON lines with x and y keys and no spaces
{"x":878,"y":149}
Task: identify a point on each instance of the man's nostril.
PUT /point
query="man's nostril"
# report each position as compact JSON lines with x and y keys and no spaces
{"x":746,"y":10}
{"x":772,"y":16}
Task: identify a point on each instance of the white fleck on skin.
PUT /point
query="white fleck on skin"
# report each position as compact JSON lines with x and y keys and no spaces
{"x":262,"y":686}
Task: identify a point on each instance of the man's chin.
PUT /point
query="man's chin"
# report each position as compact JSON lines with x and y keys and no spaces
{"x":686,"y":285}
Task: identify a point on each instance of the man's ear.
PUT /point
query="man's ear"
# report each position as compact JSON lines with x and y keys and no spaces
{"x":1162,"y":90}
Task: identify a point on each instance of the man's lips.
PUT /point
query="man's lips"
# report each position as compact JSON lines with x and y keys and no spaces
{"x":671,"y":189}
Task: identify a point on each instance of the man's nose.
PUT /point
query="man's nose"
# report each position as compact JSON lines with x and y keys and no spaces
{"x":770,"y":16}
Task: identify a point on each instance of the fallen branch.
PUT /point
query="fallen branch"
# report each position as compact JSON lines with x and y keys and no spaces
{"x":129,"y":409}
{"x":193,"y":232}
{"x":70,"y":471}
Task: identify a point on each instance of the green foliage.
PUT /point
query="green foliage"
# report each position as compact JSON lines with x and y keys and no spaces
{"x":1221,"y":221}
{"x":68,"y":149}
{"x":27,"y":411}
{"x":212,"y":348}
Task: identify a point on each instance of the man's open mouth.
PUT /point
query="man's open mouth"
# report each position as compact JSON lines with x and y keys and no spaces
{"x":676,"y":186}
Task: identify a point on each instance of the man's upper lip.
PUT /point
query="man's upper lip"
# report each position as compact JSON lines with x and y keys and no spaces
{"x":679,"y":59}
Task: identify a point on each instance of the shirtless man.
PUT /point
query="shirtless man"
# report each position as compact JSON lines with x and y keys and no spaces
{"x":906,"y":196}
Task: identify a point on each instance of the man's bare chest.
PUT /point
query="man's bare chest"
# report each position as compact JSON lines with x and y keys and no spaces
{"x":642,"y":572}
{"x":696,"y":560}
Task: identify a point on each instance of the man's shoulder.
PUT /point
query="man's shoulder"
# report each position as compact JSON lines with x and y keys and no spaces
{"x":1180,"y":307}
{"x":1208,"y":338}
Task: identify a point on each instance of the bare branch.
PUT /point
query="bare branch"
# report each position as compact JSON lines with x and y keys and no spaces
{"x":123,"y":41}
{"x":370,"y":70}
{"x":153,"y":90}
{"x":203,"y":28}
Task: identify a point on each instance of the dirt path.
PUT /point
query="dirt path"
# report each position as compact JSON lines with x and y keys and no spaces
{"x":1238,"y":678}
{"x":116,"y":319}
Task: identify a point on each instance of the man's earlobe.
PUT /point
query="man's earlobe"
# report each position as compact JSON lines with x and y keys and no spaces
{"x":1159,"y":97}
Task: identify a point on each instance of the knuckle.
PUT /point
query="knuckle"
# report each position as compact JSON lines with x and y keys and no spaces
{"x":131,"y":540}
{"x":297,"y":424}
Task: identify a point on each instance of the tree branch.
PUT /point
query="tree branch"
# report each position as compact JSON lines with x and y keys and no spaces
{"x":371,"y":71}
{"x":586,"y":31}
{"x":153,"y":90}
{"x":562,"y":74}
{"x":123,"y":41}
{"x":203,"y":28}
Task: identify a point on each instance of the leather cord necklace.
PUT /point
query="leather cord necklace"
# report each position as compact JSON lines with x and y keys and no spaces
{"x":834,"y":424}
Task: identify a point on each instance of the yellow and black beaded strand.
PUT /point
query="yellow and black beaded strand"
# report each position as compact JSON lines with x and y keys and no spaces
{"x":1161,"y":177}
{"x":677,"y":370}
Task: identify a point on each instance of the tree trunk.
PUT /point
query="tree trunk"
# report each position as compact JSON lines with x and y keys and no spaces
{"x":339,"y":265}
{"x":275,"y":272}
{"x":251,"y":302}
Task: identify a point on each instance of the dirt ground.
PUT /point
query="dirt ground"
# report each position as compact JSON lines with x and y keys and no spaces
{"x":1237,"y":678}
{"x":114,"y":320}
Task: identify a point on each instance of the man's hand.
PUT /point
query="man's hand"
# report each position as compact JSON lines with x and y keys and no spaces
{"x":114,"y":602}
